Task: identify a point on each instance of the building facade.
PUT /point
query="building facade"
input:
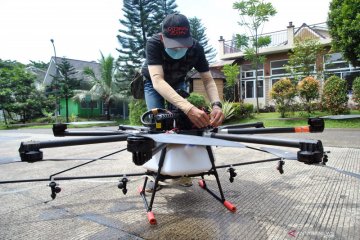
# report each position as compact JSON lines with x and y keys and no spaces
{"x":277,"y":57}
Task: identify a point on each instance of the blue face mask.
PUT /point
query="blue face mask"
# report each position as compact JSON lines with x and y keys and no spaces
{"x":176,"y":53}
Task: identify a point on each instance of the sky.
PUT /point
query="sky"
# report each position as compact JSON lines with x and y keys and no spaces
{"x":81,"y":29}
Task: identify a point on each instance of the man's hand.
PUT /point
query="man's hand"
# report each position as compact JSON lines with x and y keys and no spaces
{"x":198,"y":117}
{"x":216,"y":116}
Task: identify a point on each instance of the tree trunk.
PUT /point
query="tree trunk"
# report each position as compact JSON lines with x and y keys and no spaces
{"x":67,"y":108}
{"x":5,"y":117}
{"x":256,"y":73}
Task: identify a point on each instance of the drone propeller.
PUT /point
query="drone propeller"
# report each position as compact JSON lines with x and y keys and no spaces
{"x":281,"y":153}
{"x":191,"y":139}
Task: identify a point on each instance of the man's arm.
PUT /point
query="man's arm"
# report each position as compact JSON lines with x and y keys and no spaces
{"x":216,"y":115}
{"x":196,"y":116}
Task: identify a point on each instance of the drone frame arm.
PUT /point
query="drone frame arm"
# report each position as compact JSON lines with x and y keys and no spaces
{"x":314,"y":125}
{"x":311,"y":151}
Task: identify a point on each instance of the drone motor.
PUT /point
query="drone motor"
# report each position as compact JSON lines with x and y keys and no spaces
{"x":141,"y":148}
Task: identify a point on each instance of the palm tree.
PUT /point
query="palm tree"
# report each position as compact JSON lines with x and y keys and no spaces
{"x":105,"y":88}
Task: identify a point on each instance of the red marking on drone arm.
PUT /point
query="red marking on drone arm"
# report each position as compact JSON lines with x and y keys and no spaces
{"x":302,"y":129}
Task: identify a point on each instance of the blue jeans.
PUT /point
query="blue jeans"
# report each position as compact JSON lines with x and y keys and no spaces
{"x":153,"y":99}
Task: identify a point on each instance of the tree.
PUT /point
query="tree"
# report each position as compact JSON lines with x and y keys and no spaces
{"x":344,"y":26}
{"x":163,"y":8}
{"x":139,"y":23}
{"x":283,"y":92}
{"x":198,"y":32}
{"x":308,"y":90}
{"x":106,"y":87}
{"x":335,"y":97}
{"x":231,"y":73}
{"x":65,"y":83}
{"x":17,"y":91}
{"x":302,"y":58}
{"x":356,"y":91}
{"x":254,"y":13}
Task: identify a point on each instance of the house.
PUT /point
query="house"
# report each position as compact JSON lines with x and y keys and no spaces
{"x":86,"y":108}
{"x":196,"y":84}
{"x":277,"y":56}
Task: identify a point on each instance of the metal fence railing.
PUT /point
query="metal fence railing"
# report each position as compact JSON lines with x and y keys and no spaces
{"x":280,"y":38}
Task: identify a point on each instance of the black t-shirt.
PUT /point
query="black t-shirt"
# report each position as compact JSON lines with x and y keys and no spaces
{"x":175,"y":70}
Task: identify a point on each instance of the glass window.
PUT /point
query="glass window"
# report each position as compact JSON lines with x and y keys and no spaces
{"x":261,"y":89}
{"x":249,"y":89}
{"x":279,"y":67}
{"x":278,"y":64}
{"x":335,"y":61}
{"x":86,"y":104}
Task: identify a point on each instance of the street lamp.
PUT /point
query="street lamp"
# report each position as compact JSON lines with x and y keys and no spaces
{"x":57,"y":75}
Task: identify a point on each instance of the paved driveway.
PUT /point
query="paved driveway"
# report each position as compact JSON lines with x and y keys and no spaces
{"x":306,"y":202}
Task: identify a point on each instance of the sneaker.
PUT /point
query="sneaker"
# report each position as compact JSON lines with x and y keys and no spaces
{"x":150,"y":186}
{"x":185,"y":182}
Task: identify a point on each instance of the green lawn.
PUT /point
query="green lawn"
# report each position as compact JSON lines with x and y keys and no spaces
{"x":299,"y":119}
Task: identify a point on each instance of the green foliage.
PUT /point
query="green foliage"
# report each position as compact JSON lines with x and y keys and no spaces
{"x":303,"y":58}
{"x":308,"y":90}
{"x":18,"y":94}
{"x":334,"y":97}
{"x":243,"y":110}
{"x":106,"y":87}
{"x":257,"y":10}
{"x":141,"y":20}
{"x":39,"y":65}
{"x":344,"y":26}
{"x":253,"y":14}
{"x":198,"y":31}
{"x":136,"y":108}
{"x":228,"y":110}
{"x":231,"y":73}
{"x":356,"y":91}
{"x":197,"y":100}
{"x":283,"y":92}
{"x":64,"y":81}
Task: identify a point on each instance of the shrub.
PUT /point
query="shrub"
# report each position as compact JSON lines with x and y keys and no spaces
{"x":308,"y":90}
{"x":228,"y":110}
{"x":335,"y":98}
{"x":283,"y":92}
{"x":136,"y":110}
{"x":356,"y":91}
{"x":197,"y":100}
{"x":243,"y":110}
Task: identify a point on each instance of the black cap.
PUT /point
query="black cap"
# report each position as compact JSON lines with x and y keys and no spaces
{"x":176,"y":31}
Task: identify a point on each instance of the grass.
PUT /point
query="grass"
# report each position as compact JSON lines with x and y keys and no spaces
{"x":271,"y":119}
{"x":298,"y":119}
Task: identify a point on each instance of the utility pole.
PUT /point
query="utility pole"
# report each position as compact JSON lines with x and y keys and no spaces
{"x":57,"y":90}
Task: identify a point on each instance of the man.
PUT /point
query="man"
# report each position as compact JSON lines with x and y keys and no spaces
{"x":170,"y":55}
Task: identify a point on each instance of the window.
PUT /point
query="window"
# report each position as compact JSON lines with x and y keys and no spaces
{"x":278,"y":67}
{"x":248,"y":80}
{"x":89,"y":104}
{"x":335,"y":62}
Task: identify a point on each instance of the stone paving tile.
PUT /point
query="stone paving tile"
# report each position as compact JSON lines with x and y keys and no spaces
{"x":306,"y":202}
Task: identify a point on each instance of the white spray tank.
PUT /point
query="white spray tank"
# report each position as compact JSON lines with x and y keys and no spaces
{"x":181,"y":160}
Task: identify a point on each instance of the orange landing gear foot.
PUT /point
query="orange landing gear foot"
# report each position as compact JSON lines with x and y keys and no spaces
{"x":151,"y":218}
{"x":229,"y":206}
{"x":202,"y":183}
